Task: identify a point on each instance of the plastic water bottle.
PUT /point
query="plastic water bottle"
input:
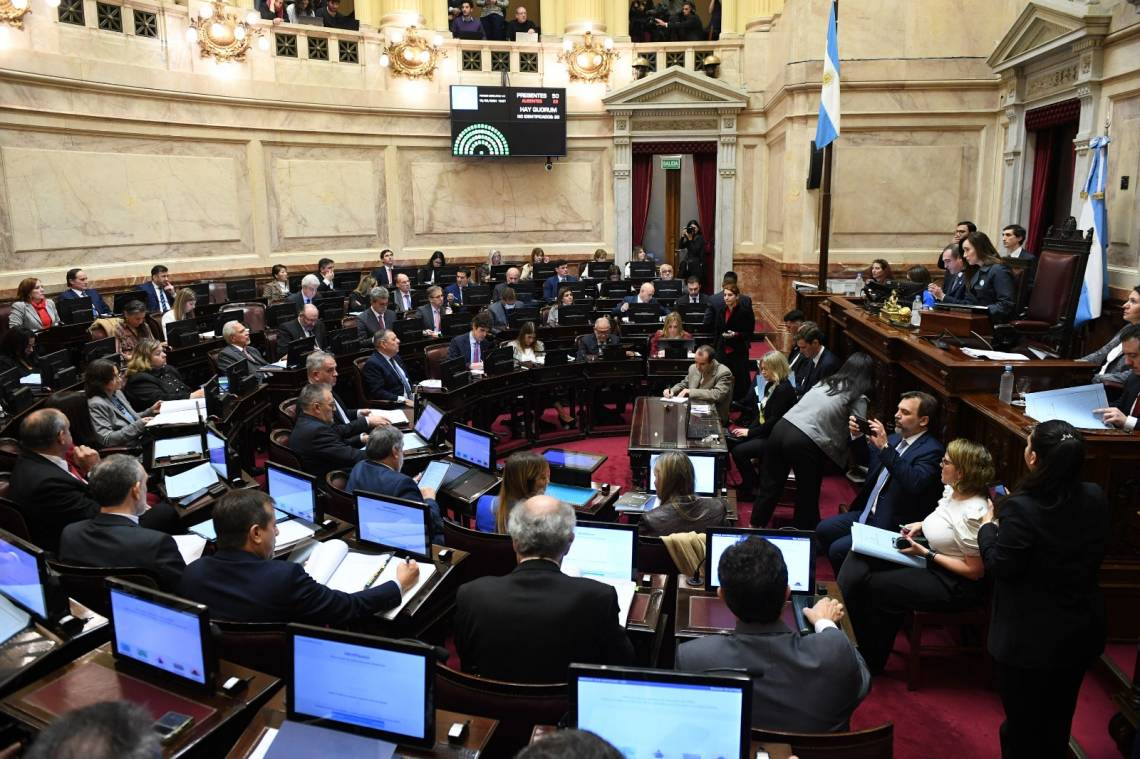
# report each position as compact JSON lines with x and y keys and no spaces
{"x":859,"y":284}
{"x":916,"y":312}
{"x":1005,"y":389}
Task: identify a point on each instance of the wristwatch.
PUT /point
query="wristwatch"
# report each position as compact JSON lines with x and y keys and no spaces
{"x":930,"y":554}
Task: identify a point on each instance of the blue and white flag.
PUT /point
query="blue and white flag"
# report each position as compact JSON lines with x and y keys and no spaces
{"x":827,"y":129}
{"x":1094,"y":214}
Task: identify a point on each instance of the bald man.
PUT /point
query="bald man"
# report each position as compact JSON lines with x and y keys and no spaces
{"x":307,"y":324}
{"x":644,"y":296}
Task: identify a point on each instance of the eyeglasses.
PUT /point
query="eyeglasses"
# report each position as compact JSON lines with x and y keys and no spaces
{"x":946,"y":461}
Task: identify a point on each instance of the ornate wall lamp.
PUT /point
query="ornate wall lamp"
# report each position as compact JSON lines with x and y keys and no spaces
{"x":12,"y":12}
{"x":588,"y":60}
{"x":411,"y":55}
{"x":223,"y":35}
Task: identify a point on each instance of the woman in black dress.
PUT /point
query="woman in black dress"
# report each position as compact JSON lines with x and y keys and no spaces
{"x":149,"y":379}
{"x":733,"y":329}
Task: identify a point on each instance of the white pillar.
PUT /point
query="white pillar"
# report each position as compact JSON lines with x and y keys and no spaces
{"x":623,"y":185}
{"x":725,"y":194}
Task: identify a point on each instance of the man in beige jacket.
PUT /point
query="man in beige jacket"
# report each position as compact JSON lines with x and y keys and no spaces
{"x":707,"y":381}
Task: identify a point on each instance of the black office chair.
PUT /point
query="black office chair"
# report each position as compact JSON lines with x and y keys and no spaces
{"x":88,"y":585}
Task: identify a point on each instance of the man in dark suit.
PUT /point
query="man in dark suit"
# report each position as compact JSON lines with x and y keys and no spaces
{"x":500,"y":310}
{"x":377,"y":317}
{"x":1123,"y":414}
{"x":315,"y":440}
{"x":815,"y":361}
{"x":512,"y":279}
{"x":693,"y":293}
{"x":470,"y":345}
{"x":529,"y":626}
{"x":381,"y":472}
{"x":1013,"y":243}
{"x":114,"y":538}
{"x":432,"y":312}
{"x":238,"y":348}
{"x":592,"y":344}
{"x":310,"y":283}
{"x":954,"y":281}
{"x":351,"y":425}
{"x":385,"y":376}
{"x":904,"y":479}
{"x":644,"y":295}
{"x":385,"y":273}
{"x":159,"y":291}
{"x":402,"y":295}
{"x":307,"y":324}
{"x":48,"y":482}
{"x":326,"y":270}
{"x":800,"y":683}
{"x":561,"y":275}
{"x":77,"y":288}
{"x":242,"y":583}
{"x":456,"y":293}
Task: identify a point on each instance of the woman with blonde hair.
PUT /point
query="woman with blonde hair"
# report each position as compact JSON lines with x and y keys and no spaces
{"x":672,"y":328}
{"x":879,"y":593}
{"x":361,"y":298}
{"x":494,"y":258}
{"x":746,"y":444}
{"x":526,"y":474}
{"x":149,"y":379}
{"x":678,"y":508}
{"x":183,"y":308}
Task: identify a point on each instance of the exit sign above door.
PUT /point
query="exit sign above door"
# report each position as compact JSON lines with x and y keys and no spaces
{"x":670,"y":162}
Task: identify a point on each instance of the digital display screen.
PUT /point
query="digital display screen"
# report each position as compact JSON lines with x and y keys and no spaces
{"x":292,"y":494}
{"x":688,"y":720}
{"x":571,"y":459}
{"x":498,"y":122}
{"x":796,"y":551}
{"x":360,"y":686}
{"x":159,"y":636}
{"x":394,"y":525}
{"x":473,"y":448}
{"x":217,"y":448}
{"x":434,"y":475}
{"x":704,"y":468}
{"x":427,"y":421}
{"x":20,"y":578}
{"x":570,"y":494}
{"x":601,"y":553}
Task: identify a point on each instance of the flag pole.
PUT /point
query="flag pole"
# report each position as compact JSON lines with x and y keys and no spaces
{"x":825,"y":198}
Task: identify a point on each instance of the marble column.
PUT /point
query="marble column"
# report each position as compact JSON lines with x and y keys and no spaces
{"x":623,"y":184}
{"x":552,"y":17}
{"x":753,"y":15}
{"x":396,"y":14}
{"x":618,"y":20}
{"x":585,"y":14}
{"x":725,"y":194}
{"x":1013,"y":198}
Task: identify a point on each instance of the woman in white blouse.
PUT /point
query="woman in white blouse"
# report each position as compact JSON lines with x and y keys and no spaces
{"x":879,"y":593}
{"x":527,"y":349}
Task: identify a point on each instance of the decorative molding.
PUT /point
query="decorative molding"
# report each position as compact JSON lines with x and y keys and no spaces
{"x":1011,"y":156}
{"x":1053,"y":81}
{"x":676,"y":125}
{"x":621,"y":173}
{"x":727,"y":173}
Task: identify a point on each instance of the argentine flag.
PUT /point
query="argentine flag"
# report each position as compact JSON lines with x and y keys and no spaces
{"x":1094,"y":214}
{"x":827,"y":129}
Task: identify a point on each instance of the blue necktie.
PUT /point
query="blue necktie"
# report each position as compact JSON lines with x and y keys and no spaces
{"x":403,"y":377}
{"x":880,"y":483}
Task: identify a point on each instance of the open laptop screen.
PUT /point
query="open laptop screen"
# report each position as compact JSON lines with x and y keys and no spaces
{"x":362,"y":684}
{"x":394,"y":524}
{"x":20,"y":577}
{"x":474,"y":447}
{"x":704,"y":467}
{"x":691,"y":715}
{"x":602,"y":551}
{"x":428,"y":421}
{"x":293,"y":492}
{"x":794,"y":545}
{"x":160,"y":632}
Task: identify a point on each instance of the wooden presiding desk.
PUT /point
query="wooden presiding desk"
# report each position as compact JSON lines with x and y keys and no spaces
{"x":662,"y":425}
{"x":479,"y":732}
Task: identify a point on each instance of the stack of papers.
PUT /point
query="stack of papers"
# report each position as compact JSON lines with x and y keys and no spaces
{"x":190,"y":411}
{"x":394,"y":415}
{"x":873,"y":541}
{"x":994,"y":355}
{"x":1070,"y":404}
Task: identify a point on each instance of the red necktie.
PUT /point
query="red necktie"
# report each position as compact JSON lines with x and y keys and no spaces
{"x":436,"y":312}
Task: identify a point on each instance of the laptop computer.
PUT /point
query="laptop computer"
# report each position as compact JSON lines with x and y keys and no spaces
{"x":342,"y":685}
{"x":696,"y":715}
{"x":704,"y":481}
{"x":387,"y":523}
{"x":24,"y":580}
{"x":606,"y":552}
{"x":475,"y":451}
{"x":426,"y":430}
{"x":796,"y":548}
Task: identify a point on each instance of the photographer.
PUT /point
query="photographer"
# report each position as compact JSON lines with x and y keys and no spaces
{"x":639,"y":21}
{"x":685,"y":26}
{"x":693,"y":243}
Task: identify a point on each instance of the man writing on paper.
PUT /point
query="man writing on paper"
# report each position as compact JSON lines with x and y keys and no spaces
{"x":707,"y":381}
{"x":1124,"y":413}
{"x":242,"y":583}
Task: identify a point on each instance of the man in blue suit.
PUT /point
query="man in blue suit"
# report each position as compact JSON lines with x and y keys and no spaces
{"x":472,"y":345}
{"x":551,"y":286}
{"x":77,"y":288}
{"x":380,"y":473}
{"x":159,"y":291}
{"x":644,"y":295}
{"x":456,"y":294}
{"x":242,"y":583}
{"x":385,"y":376}
{"x":904,"y":479}
{"x":315,"y":440}
{"x":814,"y":361}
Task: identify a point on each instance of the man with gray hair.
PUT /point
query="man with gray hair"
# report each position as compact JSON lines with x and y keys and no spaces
{"x":708,"y":381}
{"x":307,"y":324}
{"x":238,"y":348}
{"x":114,"y":538}
{"x":308,"y":291}
{"x":377,"y":317}
{"x":381,"y":472}
{"x":530,"y":625}
{"x":384,"y":374}
{"x":352,"y":425}
{"x":314,"y":438}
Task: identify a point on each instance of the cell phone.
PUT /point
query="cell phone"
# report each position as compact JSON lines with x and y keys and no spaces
{"x":223,"y":383}
{"x":170,"y":725}
{"x":901,"y":542}
{"x":998,"y":491}
{"x":863,"y":425}
{"x":433,"y":475}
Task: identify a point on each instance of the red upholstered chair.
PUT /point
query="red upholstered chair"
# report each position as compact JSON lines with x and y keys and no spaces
{"x":339,"y":502}
{"x":280,"y":452}
{"x":88,"y":585}
{"x":434,"y":355}
{"x":219,"y":293}
{"x":875,"y":743}
{"x":11,"y":519}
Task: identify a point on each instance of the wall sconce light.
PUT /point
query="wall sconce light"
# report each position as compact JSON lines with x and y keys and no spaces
{"x":640,"y":67}
{"x":711,"y":65}
{"x":225,"y":36}
{"x":412,"y":55}
{"x":12,"y":12}
{"x":588,"y":60}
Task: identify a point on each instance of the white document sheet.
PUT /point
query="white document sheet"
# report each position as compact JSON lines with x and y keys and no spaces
{"x":292,"y":531}
{"x":994,"y":355}
{"x":177,"y":446}
{"x":626,"y":589}
{"x":190,"y":481}
{"x":164,"y":419}
{"x":393,"y":415}
{"x":13,"y":619}
{"x":190,"y":546}
{"x":188,"y":404}
{"x":427,"y":569}
{"x":1071,"y":404}
{"x":356,"y":571}
{"x":31,"y":379}
{"x":880,"y":543}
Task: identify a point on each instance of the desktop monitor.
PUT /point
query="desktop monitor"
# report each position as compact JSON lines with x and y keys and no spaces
{"x":394,"y":524}
{"x":75,"y":310}
{"x":201,"y":291}
{"x":57,"y":370}
{"x":298,"y":350}
{"x":182,"y":333}
{"x":668,"y":288}
{"x":603,"y":551}
{"x":122,"y":299}
{"x":293,"y":492}
{"x":520,"y":315}
{"x":450,"y":367}
{"x":695,"y":715}
{"x":704,"y":467}
{"x":500,"y":361}
{"x":224,"y":317}
{"x":474,"y":447}
{"x":347,"y":340}
{"x":99,"y":349}
{"x":427,"y":423}
{"x":279,"y":313}
{"x":676,"y":347}
{"x":361,"y":684}
{"x":410,"y":328}
{"x":794,"y":545}
{"x":575,"y":313}
{"x":642,"y":270}
{"x":160,"y":634}
{"x":223,"y":458}
{"x":241,"y":289}
{"x":346,"y":281}
{"x":25,"y":581}
{"x":499,"y":271}
{"x":618,"y":289}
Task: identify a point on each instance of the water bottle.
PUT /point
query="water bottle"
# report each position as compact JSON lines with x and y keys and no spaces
{"x":859,"y":284}
{"x":1005,"y":389}
{"x":916,"y":312}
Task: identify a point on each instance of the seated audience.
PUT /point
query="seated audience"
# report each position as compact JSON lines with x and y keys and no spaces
{"x":31,"y":309}
{"x":470,"y":345}
{"x":565,"y":298}
{"x":903,"y":482}
{"x":530,"y":625}
{"x":432,"y":312}
{"x":18,"y":351}
{"x":879,"y":592}
{"x":1124,"y":413}
{"x":748,"y":443}
{"x":500,"y":310}
{"x":402,"y":297}
{"x":954,"y":282}
{"x":103,"y":730}
{"x":238,"y":349}
{"x":132,"y":328}
{"x":679,"y":508}
{"x":512,"y":278}
{"x":494,"y":25}
{"x":1042,"y":549}
{"x":1013,"y":243}
{"x":380,"y":472}
{"x":310,"y":284}
{"x":113,"y":537}
{"x":707,"y":381}
{"x":592,"y":343}
{"x":428,"y":274}
{"x":77,"y":288}
{"x":645,"y":294}
{"x":673,"y":328}
{"x":800,"y":683}
{"x":1110,"y":357}
{"x":115,"y":423}
{"x":307,"y":324}
{"x":241,"y":582}
{"x":385,"y":377}
{"x":315,"y":440}
{"x":812,"y":361}
{"x":183,"y":308}
{"x":733,"y":326}
{"x":351,"y":425}
{"x":521,"y":24}
{"x":811,"y":433}
{"x":326,"y":273}
{"x":277,"y":288}
{"x":880,"y":272}
{"x":159,"y":291}
{"x":151,"y":380}
{"x":377,"y":317}
{"x":988,"y":282}
{"x":525,"y":475}
{"x":359,"y":298}
{"x":465,"y":25}
{"x":537,"y":256}
{"x":561,"y":276}
{"x":456,"y":292}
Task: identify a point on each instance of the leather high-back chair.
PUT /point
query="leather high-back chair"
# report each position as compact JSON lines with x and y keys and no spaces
{"x":490,"y":553}
{"x":219,"y":293}
{"x":338,"y":502}
{"x":88,"y":585}
{"x":12,"y":520}
{"x":73,"y":404}
{"x":280,"y":452}
{"x":434,"y":355}
{"x":260,"y":646}
{"x":254,"y":315}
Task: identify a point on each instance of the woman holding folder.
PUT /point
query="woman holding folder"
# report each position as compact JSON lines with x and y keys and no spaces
{"x":879,"y":592}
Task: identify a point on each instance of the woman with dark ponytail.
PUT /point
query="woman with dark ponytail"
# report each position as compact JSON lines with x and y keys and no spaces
{"x":1043,"y":549}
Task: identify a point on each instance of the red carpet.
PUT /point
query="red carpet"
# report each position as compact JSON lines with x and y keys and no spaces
{"x":953,"y":714}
